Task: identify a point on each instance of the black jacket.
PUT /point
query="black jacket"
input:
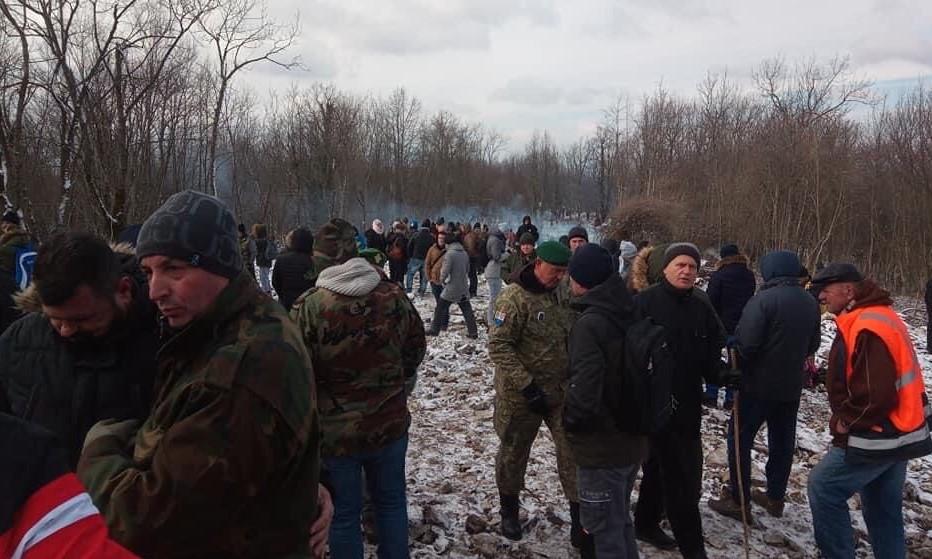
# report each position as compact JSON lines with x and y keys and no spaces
{"x":375,"y":240}
{"x":527,"y":228}
{"x":596,"y":357}
{"x":293,"y":275}
{"x":730,"y":288}
{"x":780,"y":327}
{"x":929,"y":296}
{"x":66,"y":387}
{"x":696,"y":337}
{"x":420,"y":244}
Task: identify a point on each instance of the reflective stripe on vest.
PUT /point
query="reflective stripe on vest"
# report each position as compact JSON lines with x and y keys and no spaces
{"x":909,"y":418}
{"x":888,"y":442}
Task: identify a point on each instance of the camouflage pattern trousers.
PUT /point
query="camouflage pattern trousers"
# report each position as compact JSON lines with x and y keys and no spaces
{"x":517,"y":427}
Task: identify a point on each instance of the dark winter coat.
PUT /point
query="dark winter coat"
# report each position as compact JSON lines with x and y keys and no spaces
{"x":696,"y":337}
{"x":397,"y":240}
{"x":420,"y":244}
{"x":730,"y":288}
{"x":780,"y":327}
{"x":596,"y":353}
{"x":528,"y":228}
{"x":928,"y":297}
{"x":65,"y":386}
{"x":10,"y":243}
{"x":293,"y":274}
{"x":375,"y":240}
{"x":265,"y":252}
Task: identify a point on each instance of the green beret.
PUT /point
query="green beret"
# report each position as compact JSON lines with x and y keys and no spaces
{"x":553,"y":252}
{"x":374,"y":256}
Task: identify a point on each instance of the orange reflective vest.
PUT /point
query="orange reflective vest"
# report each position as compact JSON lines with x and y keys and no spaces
{"x":905,"y":434}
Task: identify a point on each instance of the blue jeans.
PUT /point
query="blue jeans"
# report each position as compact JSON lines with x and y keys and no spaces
{"x":415,"y":266}
{"x":780,"y":418}
{"x":711,"y":391}
{"x":605,"y":509}
{"x":385,"y":475}
{"x":833,"y":481}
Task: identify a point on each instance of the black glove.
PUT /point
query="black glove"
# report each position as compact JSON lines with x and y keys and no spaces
{"x":536,"y":399}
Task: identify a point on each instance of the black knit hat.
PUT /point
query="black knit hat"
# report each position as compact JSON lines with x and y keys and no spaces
{"x":194,"y":227}
{"x":681,"y":249}
{"x":590,"y":265}
{"x":728,"y":250}
{"x":578,"y":231}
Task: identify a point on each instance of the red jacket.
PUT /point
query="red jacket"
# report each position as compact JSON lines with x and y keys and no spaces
{"x":45,"y":513}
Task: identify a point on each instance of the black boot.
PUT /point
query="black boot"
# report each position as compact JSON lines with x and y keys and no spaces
{"x":511,"y":524}
{"x":656,"y":537}
{"x":587,"y":549}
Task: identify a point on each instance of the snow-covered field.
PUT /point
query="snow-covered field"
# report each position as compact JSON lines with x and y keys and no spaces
{"x":453,"y":502}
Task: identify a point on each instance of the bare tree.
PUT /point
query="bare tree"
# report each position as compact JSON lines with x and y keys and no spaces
{"x":241,"y":33}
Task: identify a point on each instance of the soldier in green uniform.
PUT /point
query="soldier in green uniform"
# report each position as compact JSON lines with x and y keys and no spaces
{"x":519,"y":259}
{"x":527,"y":344}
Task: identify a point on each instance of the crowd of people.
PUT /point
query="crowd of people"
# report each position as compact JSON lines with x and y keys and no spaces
{"x":156,"y":400}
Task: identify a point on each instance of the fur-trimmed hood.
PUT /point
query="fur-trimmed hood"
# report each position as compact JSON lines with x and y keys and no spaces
{"x":735,"y":259}
{"x":646,"y":269}
{"x":27,"y":300}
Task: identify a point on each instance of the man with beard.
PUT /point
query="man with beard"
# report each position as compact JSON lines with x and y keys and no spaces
{"x":86,"y":351}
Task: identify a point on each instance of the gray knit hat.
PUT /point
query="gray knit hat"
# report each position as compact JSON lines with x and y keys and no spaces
{"x":194,"y":227}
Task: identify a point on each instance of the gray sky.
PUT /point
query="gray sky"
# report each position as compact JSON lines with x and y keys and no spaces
{"x":521,"y":65}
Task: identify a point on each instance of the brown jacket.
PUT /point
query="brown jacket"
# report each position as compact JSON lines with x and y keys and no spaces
{"x":471,"y":243}
{"x":867,"y":398}
{"x":434,"y":262}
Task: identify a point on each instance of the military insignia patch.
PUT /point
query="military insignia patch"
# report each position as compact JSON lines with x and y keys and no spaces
{"x":499,"y":318}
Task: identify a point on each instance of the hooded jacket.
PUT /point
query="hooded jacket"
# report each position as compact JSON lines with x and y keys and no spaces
{"x":67,"y":386}
{"x":454,"y":274}
{"x":596,"y":358}
{"x":696,"y":337}
{"x":366,"y":340}
{"x":495,"y":247}
{"x":528,"y":227}
{"x":227,"y":463}
{"x":294,"y":272}
{"x":730,"y":288}
{"x":779,"y":329}
{"x":10,"y":243}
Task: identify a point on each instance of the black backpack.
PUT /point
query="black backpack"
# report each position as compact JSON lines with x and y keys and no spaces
{"x":643,"y":402}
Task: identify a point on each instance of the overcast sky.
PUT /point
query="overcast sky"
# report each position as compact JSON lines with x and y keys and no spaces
{"x":521,"y":65}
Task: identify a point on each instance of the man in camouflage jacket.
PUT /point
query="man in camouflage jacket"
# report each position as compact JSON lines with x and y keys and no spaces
{"x":527,"y":344}
{"x":226,"y":465}
{"x":366,"y":340}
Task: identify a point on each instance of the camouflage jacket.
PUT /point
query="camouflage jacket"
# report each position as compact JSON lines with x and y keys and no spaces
{"x":227,"y":463}
{"x":516,"y":261}
{"x":528,"y":339}
{"x":366,"y":345}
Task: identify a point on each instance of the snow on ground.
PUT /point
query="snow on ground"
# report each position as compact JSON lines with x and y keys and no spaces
{"x":453,"y":501}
